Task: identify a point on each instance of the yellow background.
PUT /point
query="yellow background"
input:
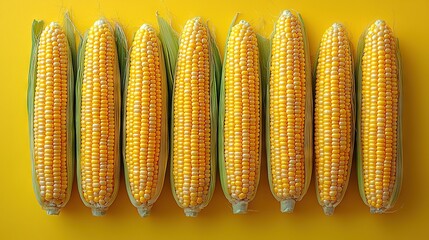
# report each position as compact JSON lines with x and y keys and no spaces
{"x":22,"y":218}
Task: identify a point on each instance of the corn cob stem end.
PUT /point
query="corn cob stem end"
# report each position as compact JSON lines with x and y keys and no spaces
{"x":239,"y":207}
{"x":374,"y":210}
{"x":287,"y":206}
{"x":191,"y":212}
{"x":144,"y":211}
{"x":328,"y":210}
{"x":52,"y":210}
{"x":99,"y":211}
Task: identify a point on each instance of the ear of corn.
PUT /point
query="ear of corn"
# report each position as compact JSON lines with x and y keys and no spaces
{"x":379,"y":125}
{"x":50,"y":112}
{"x":333,"y":117}
{"x":289,"y":112}
{"x":98,"y":118}
{"x":194,"y":119}
{"x":240,"y":117}
{"x":145,"y":136}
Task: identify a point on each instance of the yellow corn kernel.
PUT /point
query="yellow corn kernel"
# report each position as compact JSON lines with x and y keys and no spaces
{"x":50,"y":118}
{"x":99,"y":119}
{"x":379,"y":115}
{"x":242,"y":124}
{"x":192,"y":125}
{"x":333,"y":117}
{"x":144,"y":119}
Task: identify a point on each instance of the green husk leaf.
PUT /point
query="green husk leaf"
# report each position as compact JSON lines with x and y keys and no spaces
{"x":122,"y":53}
{"x":118,"y":112}
{"x":221,"y":150}
{"x":126,"y":72}
{"x":122,"y":49}
{"x":358,"y":145}
{"x":71,"y":131}
{"x":78,"y":99}
{"x":264,"y":45}
{"x":71,"y":38}
{"x":71,"y":141}
{"x":215,"y":75}
{"x":215,"y":59}
{"x":308,"y":125}
{"x":170,"y":43}
{"x":266,"y":108}
{"x":399,"y":161}
{"x":165,"y":140}
{"x":170,"y":48}
{"x":36,"y":31}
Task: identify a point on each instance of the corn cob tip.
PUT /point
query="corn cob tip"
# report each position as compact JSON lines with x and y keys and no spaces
{"x":146,"y":27}
{"x":286,"y":13}
{"x":52,"y":210}
{"x":287,"y":206}
{"x":54,"y":24}
{"x":337,"y":25}
{"x":100,"y":22}
{"x":99,"y":211}
{"x":191,"y":212}
{"x":375,"y":210}
{"x":243,"y":22}
{"x":196,"y":19}
{"x":239,"y":207}
{"x":379,"y":22}
{"x":328,"y":210}
{"x":144,"y":211}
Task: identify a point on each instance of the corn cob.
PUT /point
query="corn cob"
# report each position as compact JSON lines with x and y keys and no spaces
{"x":98,"y":111}
{"x":194,"y":120}
{"x":289,"y":109}
{"x":240,"y":121}
{"x":333,"y":117}
{"x":379,"y":141}
{"x":50,"y":107}
{"x":146,"y":133}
